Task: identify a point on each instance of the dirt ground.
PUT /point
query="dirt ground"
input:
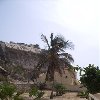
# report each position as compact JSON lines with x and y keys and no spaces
{"x":67,"y":96}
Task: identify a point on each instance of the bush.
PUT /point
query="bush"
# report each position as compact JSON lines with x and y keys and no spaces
{"x":7,"y":91}
{"x":36,"y":92}
{"x":60,"y":89}
{"x":83,"y":94}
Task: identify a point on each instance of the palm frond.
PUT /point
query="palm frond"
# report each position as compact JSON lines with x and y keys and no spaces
{"x":51,"y":38}
{"x":69,"y":45}
{"x":43,"y":59}
{"x":67,"y":56}
{"x":54,"y":58}
{"x":59,"y":41}
{"x":43,"y":37}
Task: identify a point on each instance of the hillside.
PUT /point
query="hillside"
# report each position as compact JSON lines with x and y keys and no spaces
{"x":19,"y":60}
{"x":18,"y":54}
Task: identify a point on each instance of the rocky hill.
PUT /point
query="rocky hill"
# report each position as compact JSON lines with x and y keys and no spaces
{"x":16,"y":58}
{"x":19,"y":54}
{"x":19,"y":60}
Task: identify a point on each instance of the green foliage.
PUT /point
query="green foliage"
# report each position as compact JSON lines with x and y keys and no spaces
{"x":91,"y":78}
{"x":60,"y":89}
{"x":83,"y":94}
{"x":7,"y":91}
{"x":36,"y":92}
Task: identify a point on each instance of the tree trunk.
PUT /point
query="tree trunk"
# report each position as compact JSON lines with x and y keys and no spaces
{"x":51,"y":96}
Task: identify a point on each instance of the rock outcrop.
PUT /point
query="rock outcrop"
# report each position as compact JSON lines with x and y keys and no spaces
{"x":19,"y":54}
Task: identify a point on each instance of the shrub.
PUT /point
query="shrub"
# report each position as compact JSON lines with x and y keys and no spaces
{"x":83,"y":94}
{"x":36,"y":92}
{"x":60,"y":89}
{"x":7,"y":92}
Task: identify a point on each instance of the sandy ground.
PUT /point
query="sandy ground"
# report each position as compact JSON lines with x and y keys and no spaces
{"x":67,"y":96}
{"x":97,"y":95}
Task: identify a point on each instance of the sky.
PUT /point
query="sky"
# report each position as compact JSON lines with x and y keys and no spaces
{"x":77,"y":20}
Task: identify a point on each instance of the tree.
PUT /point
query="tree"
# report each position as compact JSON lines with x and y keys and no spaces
{"x":91,"y":78}
{"x":54,"y":58}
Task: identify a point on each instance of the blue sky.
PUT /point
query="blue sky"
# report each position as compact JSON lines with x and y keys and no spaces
{"x":77,"y":20}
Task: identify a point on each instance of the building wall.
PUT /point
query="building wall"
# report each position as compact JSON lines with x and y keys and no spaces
{"x":68,"y":78}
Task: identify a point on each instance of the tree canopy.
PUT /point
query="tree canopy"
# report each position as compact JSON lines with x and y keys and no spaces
{"x":54,"y":58}
{"x":91,"y":78}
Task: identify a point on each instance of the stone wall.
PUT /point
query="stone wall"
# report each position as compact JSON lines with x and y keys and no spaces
{"x":67,"y":78}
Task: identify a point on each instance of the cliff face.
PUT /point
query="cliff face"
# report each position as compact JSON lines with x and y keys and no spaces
{"x":15,"y":54}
